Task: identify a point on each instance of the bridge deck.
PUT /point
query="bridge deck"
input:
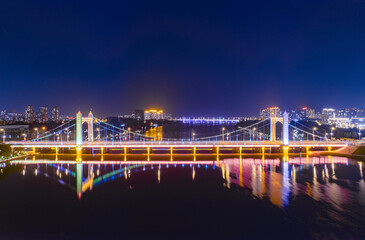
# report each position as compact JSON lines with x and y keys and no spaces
{"x":178,"y":144}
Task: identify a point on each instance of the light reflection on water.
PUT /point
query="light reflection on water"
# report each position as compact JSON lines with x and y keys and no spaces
{"x":279,"y":181}
{"x":274,"y":179}
{"x":333,"y":186}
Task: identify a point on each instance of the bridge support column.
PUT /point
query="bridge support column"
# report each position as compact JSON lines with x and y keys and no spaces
{"x":125,"y":154}
{"x":217,"y":150}
{"x":78,"y":154}
{"x":90,"y":127}
{"x":79,"y":129}
{"x":102,"y":153}
{"x":285,"y":129}
{"x":57,"y":153}
{"x":171,"y":153}
{"x":148,"y":154}
{"x":194,"y":153}
{"x":272,"y":129}
{"x":285,"y":153}
{"x":240,"y":153}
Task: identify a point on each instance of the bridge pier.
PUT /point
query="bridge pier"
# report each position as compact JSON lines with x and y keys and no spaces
{"x":57,"y":153}
{"x":194,"y":153}
{"x":171,"y":153}
{"x":148,"y":154}
{"x":102,"y":153}
{"x":125,"y":154}
{"x":217,"y":150}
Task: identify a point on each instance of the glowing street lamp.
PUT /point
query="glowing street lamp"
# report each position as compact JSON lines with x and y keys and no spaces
{"x":129,"y":134}
{"x":253,"y":137}
{"x":314,"y":129}
{"x":36,"y":129}
{"x":223,"y":129}
{"x":98,"y":129}
{"x":24,"y":136}
{"x":332,"y":129}
{"x":3,"y":130}
{"x":67,"y":134}
{"x":193,"y":136}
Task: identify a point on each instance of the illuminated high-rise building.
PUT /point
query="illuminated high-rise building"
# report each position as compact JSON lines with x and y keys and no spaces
{"x":29,"y":114}
{"x":55,"y":114}
{"x":43,"y":114}
{"x":269,"y":112}
{"x":154,"y":114}
{"x":328,"y":113}
{"x":307,"y":113}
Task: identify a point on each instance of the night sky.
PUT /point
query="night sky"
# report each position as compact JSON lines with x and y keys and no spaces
{"x":190,"y":58}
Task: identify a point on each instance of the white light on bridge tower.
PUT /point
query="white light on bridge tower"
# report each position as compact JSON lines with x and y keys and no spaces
{"x":79,"y":128}
{"x":285,"y":128}
{"x":90,"y":129}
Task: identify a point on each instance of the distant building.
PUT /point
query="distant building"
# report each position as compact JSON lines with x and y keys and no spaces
{"x":328,"y":113}
{"x":55,"y":114}
{"x":340,"y":122}
{"x":138,"y":114}
{"x":154,"y":114}
{"x":15,"y":132}
{"x":358,"y":123}
{"x":43,"y":114}
{"x":307,"y":113}
{"x":270,"y":112}
{"x":29,"y":114}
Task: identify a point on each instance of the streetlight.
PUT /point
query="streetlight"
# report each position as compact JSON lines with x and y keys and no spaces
{"x":3,"y":130}
{"x":314,"y":129}
{"x":67,"y":134}
{"x":24,"y":136}
{"x":332,"y":129}
{"x":359,"y":133}
{"x":193,"y":136}
{"x":326,"y":134}
{"x":253,"y":137}
{"x":98,"y":129}
{"x":223,"y":133}
{"x":129,"y":134}
{"x":36,"y":129}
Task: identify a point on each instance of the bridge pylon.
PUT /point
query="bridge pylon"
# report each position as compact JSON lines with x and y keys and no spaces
{"x":273,"y":120}
{"x":285,"y":129}
{"x":79,"y":128}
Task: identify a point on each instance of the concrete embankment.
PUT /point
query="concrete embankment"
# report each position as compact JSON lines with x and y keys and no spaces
{"x":352,"y":151}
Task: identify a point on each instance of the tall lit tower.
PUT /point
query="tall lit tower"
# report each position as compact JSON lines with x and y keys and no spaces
{"x":90,"y":129}
{"x":285,"y":128}
{"x":55,"y":114}
{"x":29,"y":114}
{"x":79,"y":128}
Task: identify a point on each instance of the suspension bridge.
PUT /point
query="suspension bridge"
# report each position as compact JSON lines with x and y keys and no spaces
{"x":92,"y":133}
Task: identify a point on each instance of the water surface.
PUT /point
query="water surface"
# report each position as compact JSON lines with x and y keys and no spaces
{"x":305,"y":198}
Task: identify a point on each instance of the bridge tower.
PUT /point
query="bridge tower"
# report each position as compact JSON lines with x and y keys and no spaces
{"x":285,"y":128}
{"x":273,"y":120}
{"x":79,"y":128}
{"x":90,"y":128}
